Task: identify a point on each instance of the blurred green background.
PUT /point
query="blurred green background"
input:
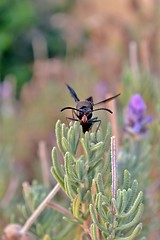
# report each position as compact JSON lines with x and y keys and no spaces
{"x":97,"y":47}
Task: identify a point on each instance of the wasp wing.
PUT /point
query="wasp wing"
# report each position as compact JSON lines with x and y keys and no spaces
{"x":107,"y":100}
{"x":73,"y":94}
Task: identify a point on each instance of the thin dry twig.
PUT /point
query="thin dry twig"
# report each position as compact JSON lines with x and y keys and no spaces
{"x":44,"y":162}
{"x":114,"y":167}
{"x":113,"y":119}
{"x":59,"y":209}
{"x":10,"y":193}
{"x":40,"y":208}
{"x":133,"y":56}
{"x":145,"y":55}
{"x":26,"y":190}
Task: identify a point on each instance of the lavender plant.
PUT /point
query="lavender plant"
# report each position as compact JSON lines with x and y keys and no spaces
{"x":47,"y":224}
{"x":99,"y":208}
{"x":135,"y":117}
{"x":86,"y":177}
{"x":135,"y":152}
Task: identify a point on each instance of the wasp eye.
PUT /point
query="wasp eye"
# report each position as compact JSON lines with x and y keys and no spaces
{"x":89,"y":114}
{"x":81,"y":115}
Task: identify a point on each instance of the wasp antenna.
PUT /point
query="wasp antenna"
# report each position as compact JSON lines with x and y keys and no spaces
{"x":107,"y":100}
{"x":106,"y":109}
{"x":73,"y":94}
{"x":72,"y":108}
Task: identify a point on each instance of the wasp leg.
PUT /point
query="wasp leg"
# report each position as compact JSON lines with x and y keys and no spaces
{"x":98,"y":121}
{"x":74,"y":114}
{"x":94,"y":120}
{"x":98,"y":125}
{"x":72,"y":119}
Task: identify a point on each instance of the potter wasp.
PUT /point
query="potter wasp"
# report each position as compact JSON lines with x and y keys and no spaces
{"x":84,"y":109}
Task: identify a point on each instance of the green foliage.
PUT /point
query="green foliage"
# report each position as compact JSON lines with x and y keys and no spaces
{"x":117,"y":218}
{"x":136,"y":157}
{"x":15,"y":21}
{"x":85,"y":177}
{"x":142,"y":82}
{"x":21,"y":22}
{"x":76,"y":175}
{"x":140,"y":157}
{"x":49,"y":224}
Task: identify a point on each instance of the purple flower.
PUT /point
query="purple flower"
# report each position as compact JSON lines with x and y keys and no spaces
{"x":135,"y":117}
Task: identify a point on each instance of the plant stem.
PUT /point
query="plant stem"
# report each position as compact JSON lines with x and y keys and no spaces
{"x":114,"y":167}
{"x":59,"y":209}
{"x":42,"y":152}
{"x":40,"y":208}
{"x":113,"y":120}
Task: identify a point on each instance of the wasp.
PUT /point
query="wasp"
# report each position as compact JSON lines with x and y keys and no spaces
{"x":84,"y":109}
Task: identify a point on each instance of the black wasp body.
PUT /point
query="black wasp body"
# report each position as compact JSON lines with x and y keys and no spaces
{"x":84,"y":109}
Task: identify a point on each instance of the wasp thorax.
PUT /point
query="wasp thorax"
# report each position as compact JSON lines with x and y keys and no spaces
{"x":84,"y":105}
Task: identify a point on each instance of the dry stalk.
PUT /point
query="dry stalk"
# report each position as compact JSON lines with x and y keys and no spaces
{"x":40,"y":208}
